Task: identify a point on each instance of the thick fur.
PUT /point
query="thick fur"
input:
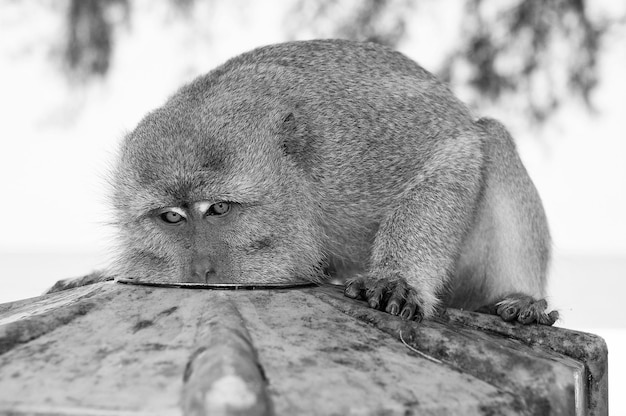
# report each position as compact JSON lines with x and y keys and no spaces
{"x":338,"y":156}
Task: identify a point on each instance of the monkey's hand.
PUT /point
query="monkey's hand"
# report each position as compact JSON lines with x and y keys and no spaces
{"x":522,"y":308}
{"x":394,"y":296}
{"x":421,"y":232}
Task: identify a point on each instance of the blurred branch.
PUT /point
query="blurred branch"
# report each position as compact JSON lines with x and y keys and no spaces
{"x":184,"y":6}
{"x":91,"y":25}
{"x":543,"y":50}
{"x":380,"y":21}
{"x":89,"y":41}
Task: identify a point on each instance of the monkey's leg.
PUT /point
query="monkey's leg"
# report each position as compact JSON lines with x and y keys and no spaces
{"x":522,"y":308}
{"x":417,"y":244}
{"x":505,"y":258}
{"x":502,"y":268}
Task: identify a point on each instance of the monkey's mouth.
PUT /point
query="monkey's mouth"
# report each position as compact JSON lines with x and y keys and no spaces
{"x":220,"y":286}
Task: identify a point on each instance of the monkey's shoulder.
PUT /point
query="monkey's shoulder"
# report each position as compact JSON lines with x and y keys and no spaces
{"x":332,"y":64}
{"x":327,"y":54}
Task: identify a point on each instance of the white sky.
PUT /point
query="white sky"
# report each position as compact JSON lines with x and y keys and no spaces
{"x":59,"y":141}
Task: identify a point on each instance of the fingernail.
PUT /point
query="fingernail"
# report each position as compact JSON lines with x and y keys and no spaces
{"x":419,"y":317}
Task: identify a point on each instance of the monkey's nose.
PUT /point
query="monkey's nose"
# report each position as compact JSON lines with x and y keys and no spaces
{"x":202,"y":270}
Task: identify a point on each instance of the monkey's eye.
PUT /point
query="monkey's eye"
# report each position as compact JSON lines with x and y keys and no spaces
{"x":219,"y":208}
{"x":171,"y":217}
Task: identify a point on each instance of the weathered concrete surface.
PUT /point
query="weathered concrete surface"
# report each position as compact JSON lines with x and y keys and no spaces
{"x":113,"y":349}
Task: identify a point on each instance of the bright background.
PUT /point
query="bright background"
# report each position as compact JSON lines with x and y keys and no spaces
{"x":58,"y":141}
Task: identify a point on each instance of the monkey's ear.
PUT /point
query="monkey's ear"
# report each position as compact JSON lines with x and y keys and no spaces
{"x":289,"y":133}
{"x":296,"y":140}
{"x":289,"y":122}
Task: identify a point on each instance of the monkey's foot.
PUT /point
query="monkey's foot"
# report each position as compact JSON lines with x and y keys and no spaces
{"x":395,"y":296}
{"x":522,"y":308}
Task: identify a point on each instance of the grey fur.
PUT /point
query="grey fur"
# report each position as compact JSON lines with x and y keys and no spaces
{"x":339,"y":156}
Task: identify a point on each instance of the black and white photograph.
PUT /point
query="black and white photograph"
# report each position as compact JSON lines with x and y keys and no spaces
{"x":299,"y":207}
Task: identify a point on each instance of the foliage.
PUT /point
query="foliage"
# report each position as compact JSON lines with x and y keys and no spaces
{"x":543,"y":50}
{"x":539,"y":51}
{"x":89,"y":38}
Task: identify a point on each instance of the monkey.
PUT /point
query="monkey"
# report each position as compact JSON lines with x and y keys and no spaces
{"x":304,"y":160}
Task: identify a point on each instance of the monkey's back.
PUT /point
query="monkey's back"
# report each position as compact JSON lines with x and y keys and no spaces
{"x":368,"y":116}
{"x":367,"y":120}
{"x":303,"y":155}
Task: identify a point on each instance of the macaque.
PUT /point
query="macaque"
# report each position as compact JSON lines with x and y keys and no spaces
{"x":329,"y":158}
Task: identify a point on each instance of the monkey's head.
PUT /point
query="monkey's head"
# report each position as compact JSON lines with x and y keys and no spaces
{"x":206,"y":189}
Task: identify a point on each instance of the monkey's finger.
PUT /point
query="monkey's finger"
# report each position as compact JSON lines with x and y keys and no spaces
{"x":375,"y":296}
{"x":408,"y":311}
{"x":509,"y":313}
{"x":531,"y":311}
{"x":396,"y":296}
{"x":374,"y":301}
{"x":548,"y":319}
{"x":509,"y":308}
{"x":419,"y":315}
{"x":412,"y":312}
{"x":526,"y":316}
{"x":394,"y":304}
{"x":355,"y":289}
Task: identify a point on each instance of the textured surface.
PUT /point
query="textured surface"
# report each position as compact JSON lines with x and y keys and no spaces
{"x":112,"y":349}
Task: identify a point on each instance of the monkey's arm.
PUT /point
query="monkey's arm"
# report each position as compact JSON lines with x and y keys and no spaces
{"x":418,"y":242}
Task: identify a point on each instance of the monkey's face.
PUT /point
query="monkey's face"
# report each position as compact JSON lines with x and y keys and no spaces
{"x":204,"y":227}
{"x":209,"y":195}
